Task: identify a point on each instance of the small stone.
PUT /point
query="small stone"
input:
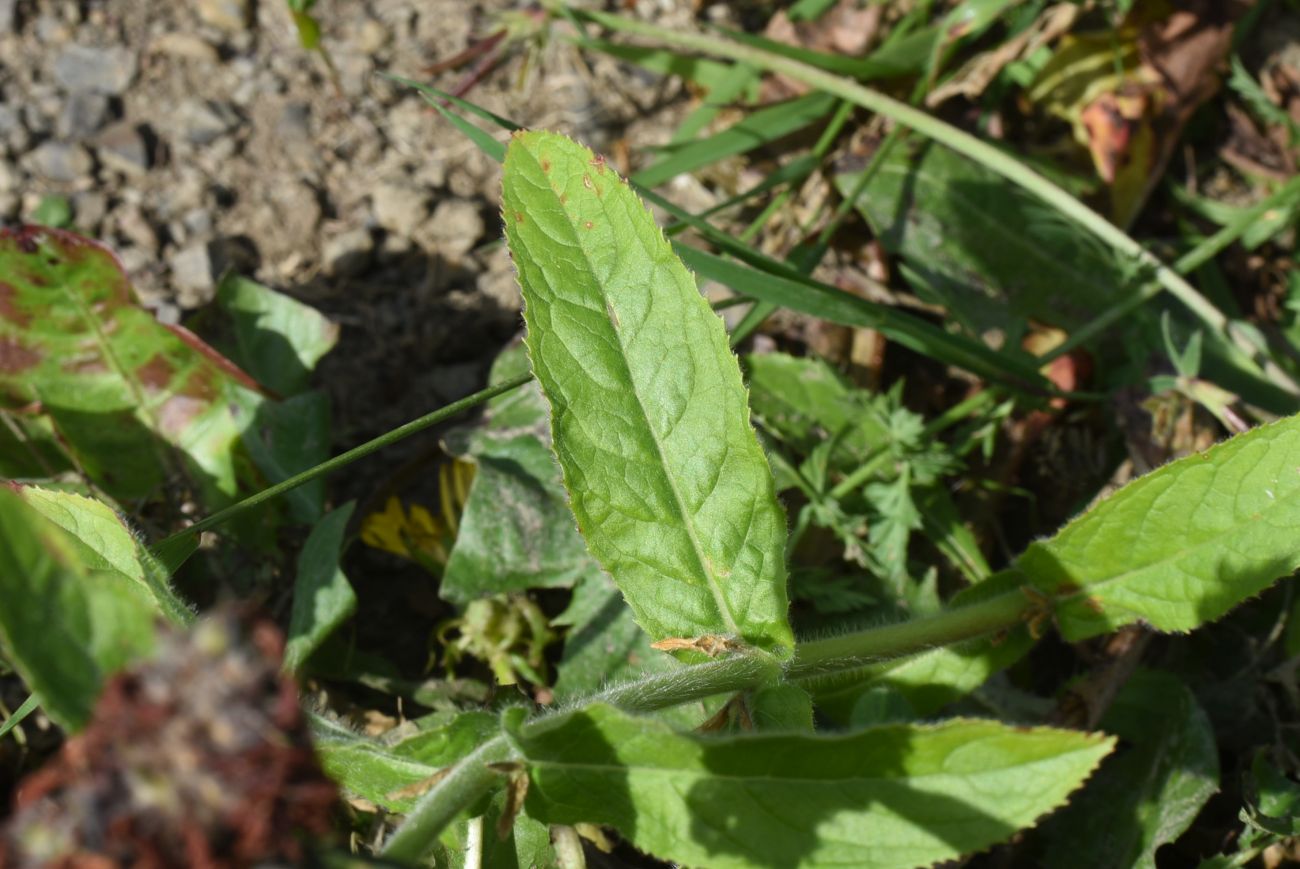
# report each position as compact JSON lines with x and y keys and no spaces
{"x":10,"y":177}
{"x":197,"y":221}
{"x":399,"y":208}
{"x":60,"y":162}
{"x":135,"y":228}
{"x":203,"y":122}
{"x":294,"y":121}
{"x":349,"y":253}
{"x":89,"y":208}
{"x":192,"y":268}
{"x":81,"y":116}
{"x":123,"y":147}
{"x":8,"y":16}
{"x":100,"y":70}
{"x":11,"y":126}
{"x":455,"y":229}
{"x":229,"y":15}
{"x":371,"y":36}
{"x":185,"y":45}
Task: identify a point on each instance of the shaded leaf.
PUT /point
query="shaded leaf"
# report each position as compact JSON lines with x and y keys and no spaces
{"x":276,"y":338}
{"x":650,"y":419}
{"x":1150,"y":791}
{"x":986,"y":250}
{"x":1181,"y":545}
{"x":322,"y":596}
{"x":897,"y":795}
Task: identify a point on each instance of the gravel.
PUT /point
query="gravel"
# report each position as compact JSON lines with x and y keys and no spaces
{"x":98,"y":70}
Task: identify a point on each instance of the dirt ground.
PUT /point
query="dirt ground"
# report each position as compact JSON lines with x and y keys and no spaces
{"x":196,"y":137}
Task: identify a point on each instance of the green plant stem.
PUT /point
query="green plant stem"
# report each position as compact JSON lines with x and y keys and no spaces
{"x":468,"y":781}
{"x":848,"y":651}
{"x":963,"y":143}
{"x":415,"y":426}
{"x":472,"y":778}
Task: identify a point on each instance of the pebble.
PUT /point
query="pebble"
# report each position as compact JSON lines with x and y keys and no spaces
{"x":123,"y":147}
{"x":136,"y":228}
{"x":82,"y":114}
{"x":185,"y":45}
{"x":8,"y":15}
{"x":60,"y":162}
{"x":12,"y":129}
{"x":399,"y":208}
{"x":202,"y":122}
{"x":100,"y":70}
{"x":89,"y":208}
{"x":349,"y":253}
{"x":229,"y":15}
{"x":455,"y":229}
{"x":192,"y":268}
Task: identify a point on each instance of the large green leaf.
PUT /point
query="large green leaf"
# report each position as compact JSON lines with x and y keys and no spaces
{"x":986,"y":250}
{"x":120,"y":387}
{"x":1182,"y":545}
{"x":64,"y":626}
{"x":107,"y":548}
{"x":1149,"y":794}
{"x":322,"y":596}
{"x":891,"y":796}
{"x":648,"y":412}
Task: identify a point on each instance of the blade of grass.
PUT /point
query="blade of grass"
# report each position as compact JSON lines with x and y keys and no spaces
{"x":974,"y":149}
{"x":27,"y":708}
{"x":757,"y":129}
{"x":340,"y":461}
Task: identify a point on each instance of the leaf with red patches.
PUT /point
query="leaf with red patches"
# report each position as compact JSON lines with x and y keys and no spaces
{"x":122,"y":391}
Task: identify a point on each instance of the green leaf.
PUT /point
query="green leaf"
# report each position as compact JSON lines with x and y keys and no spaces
{"x":805,"y":401}
{"x":322,"y":597}
{"x":63,"y":626}
{"x":989,"y":252}
{"x":289,"y":437}
{"x":891,"y":796}
{"x":107,"y":547}
{"x":651,"y":425}
{"x":1181,"y":545}
{"x":1148,"y":794}
{"x":604,"y":644}
{"x":119,"y":386}
{"x":277,"y":339}
{"x":390,"y":775}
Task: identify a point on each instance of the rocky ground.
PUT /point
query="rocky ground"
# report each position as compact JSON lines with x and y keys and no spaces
{"x":196,"y":137}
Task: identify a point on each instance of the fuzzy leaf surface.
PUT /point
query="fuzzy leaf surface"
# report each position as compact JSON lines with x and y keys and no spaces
{"x":1182,"y":545}
{"x":64,"y":627}
{"x":890,"y":796}
{"x":648,"y":412}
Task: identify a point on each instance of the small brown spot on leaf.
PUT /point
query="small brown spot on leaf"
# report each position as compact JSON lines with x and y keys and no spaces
{"x":546,"y":165}
{"x":157,"y":373}
{"x":599,"y":162}
{"x":586,"y":181}
{"x":16,"y":357}
{"x":587,"y":224}
{"x":519,"y":217}
{"x":9,"y":308}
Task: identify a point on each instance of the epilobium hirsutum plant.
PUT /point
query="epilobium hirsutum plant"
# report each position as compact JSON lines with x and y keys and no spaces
{"x":673,"y":494}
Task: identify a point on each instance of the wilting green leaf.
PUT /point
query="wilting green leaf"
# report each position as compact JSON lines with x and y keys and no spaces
{"x":649,"y":415}
{"x":120,"y":387}
{"x":984,"y":249}
{"x":107,"y":548}
{"x":63,"y":626}
{"x":1148,"y":794}
{"x":277,"y":339}
{"x":1182,"y":545}
{"x":516,"y":531}
{"x":896,"y":795}
{"x":392,"y":776}
{"x":322,"y":597}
